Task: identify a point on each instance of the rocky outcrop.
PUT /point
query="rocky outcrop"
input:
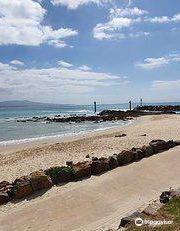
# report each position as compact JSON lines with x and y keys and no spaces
{"x":163,"y":108}
{"x":39,"y":180}
{"x":106,"y":115}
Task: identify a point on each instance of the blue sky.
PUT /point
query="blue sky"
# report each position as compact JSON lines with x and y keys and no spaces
{"x":78,"y":51}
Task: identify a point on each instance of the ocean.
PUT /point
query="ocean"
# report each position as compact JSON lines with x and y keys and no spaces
{"x":13,"y":132}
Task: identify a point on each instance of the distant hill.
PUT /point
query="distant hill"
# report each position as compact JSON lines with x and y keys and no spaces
{"x":26,"y":103}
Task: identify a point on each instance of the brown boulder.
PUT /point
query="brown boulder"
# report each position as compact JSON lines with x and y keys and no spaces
{"x":113,"y":162}
{"x":158,"y":145}
{"x":59,"y":174}
{"x":138,"y":153}
{"x":22,"y":187}
{"x":125,"y":157}
{"x":100,"y":165}
{"x":176,"y":143}
{"x":82,"y":169}
{"x":4,"y":198}
{"x":148,"y":150}
{"x":39,"y":180}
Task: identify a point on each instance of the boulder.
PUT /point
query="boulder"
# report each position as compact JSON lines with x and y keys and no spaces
{"x":69,"y":163}
{"x":176,"y":143}
{"x":125,"y":157}
{"x":152,"y":208}
{"x":82,"y":169}
{"x":59,"y":174}
{"x":113,"y":162}
{"x":39,"y":180}
{"x":138,"y":153}
{"x":170,"y":144}
{"x":158,"y":145}
{"x":148,"y":150}
{"x":22,"y":187}
{"x":165,"y":196}
{"x":4,"y":198}
{"x":129,"y":219}
{"x":4,"y":184}
{"x":100,"y":165}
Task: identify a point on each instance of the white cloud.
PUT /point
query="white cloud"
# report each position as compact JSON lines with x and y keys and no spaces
{"x":165,"y":85}
{"x":85,"y":68}
{"x":64,"y":64}
{"x":124,"y":23}
{"x":17,"y":62}
{"x":153,"y":63}
{"x":21,"y":24}
{"x":74,"y":4}
{"x":132,"y":12}
{"x":54,"y":83}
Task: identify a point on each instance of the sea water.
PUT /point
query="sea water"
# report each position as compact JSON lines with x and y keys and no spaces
{"x":13,"y":132}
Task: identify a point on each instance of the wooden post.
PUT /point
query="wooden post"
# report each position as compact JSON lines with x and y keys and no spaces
{"x":141,"y":102}
{"x":95,"y":107}
{"x":130,"y":105}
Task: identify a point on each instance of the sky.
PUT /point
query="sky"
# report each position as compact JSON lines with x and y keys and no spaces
{"x":80,"y":51}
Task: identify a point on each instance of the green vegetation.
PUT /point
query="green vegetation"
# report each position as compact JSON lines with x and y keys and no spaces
{"x":169,"y":212}
{"x":55,"y":171}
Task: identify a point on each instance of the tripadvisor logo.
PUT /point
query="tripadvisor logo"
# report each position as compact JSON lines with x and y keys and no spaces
{"x":139,"y":222}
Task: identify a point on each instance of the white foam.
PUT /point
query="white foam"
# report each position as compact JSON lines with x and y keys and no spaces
{"x":29,"y":140}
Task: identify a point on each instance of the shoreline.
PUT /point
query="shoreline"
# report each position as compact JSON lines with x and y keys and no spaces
{"x":19,"y":160}
{"x":48,"y":140}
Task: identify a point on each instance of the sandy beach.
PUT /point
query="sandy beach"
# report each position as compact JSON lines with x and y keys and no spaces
{"x":22,"y":159}
{"x":99,"y":202}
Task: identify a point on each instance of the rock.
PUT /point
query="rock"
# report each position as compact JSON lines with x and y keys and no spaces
{"x":170,"y":144}
{"x":152,"y":209}
{"x":40,"y":181}
{"x":148,"y":150}
{"x":88,"y":156}
{"x":175,"y":193}
{"x":158,"y":145}
{"x":138,"y":153}
{"x":60,"y":174}
{"x":4,"y":184}
{"x":165,"y":196}
{"x":121,"y":135}
{"x":4,"y":198}
{"x":129,"y":219}
{"x":100,"y":165}
{"x":82,"y":169}
{"x":125,"y":157}
{"x":144,"y":135}
{"x":22,"y":187}
{"x":176,"y":143}
{"x":69,"y":163}
{"x":113,"y":162}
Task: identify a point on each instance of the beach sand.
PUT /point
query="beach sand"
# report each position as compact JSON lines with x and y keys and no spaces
{"x":100,"y":201}
{"x":19,"y":160}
